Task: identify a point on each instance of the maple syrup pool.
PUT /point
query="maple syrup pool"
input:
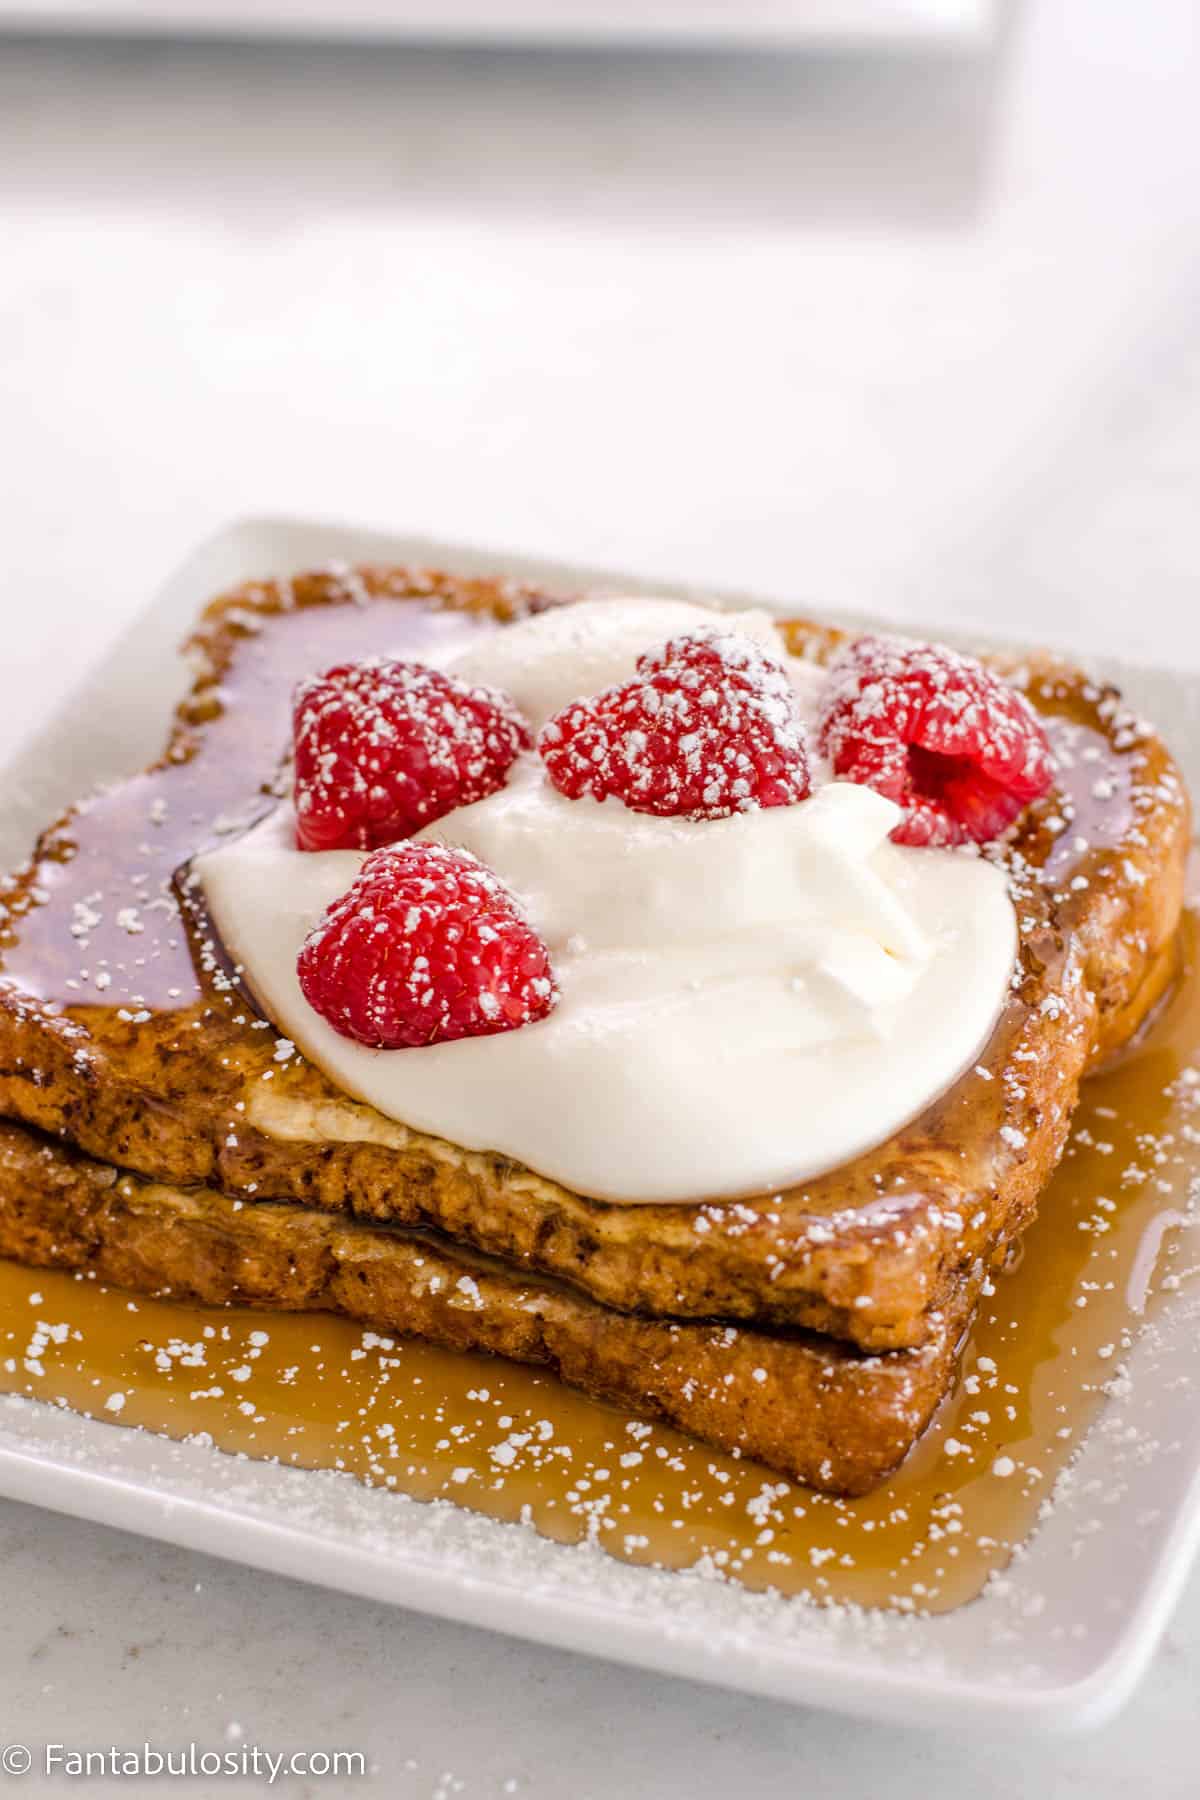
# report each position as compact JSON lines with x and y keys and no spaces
{"x":315,"y":1391}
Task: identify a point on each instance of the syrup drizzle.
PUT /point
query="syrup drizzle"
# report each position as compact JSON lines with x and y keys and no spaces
{"x":318,"y":1392}
{"x":113,"y":866}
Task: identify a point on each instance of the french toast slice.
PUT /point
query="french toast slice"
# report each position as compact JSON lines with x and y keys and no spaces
{"x":123,"y":1032}
{"x":836,"y":1418}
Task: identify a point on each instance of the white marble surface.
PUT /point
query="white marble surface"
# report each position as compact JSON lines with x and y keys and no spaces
{"x":918,"y":336}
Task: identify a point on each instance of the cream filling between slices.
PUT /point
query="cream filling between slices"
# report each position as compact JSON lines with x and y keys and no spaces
{"x":744,"y":1002}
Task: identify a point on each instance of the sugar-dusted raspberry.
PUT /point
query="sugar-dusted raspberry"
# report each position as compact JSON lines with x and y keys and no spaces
{"x":427,"y":945}
{"x":958,"y":748}
{"x":384,"y":747}
{"x":709,"y":726}
{"x":728,"y":656}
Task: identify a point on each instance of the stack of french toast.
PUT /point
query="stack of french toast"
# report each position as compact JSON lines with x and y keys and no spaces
{"x":162,"y":1129}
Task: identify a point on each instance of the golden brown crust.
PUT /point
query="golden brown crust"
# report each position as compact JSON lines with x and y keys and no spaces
{"x":820,"y":1413}
{"x":867,"y":1253}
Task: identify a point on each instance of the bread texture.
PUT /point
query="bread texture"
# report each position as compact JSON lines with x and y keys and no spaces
{"x":165,"y":1069}
{"x":822,"y":1413}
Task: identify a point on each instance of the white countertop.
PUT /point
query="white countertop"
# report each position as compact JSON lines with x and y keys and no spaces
{"x":918,"y":336}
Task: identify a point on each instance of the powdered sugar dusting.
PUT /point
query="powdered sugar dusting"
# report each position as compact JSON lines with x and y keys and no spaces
{"x":383,"y":747}
{"x":427,"y":945}
{"x":708,"y":727}
{"x":959,"y":748}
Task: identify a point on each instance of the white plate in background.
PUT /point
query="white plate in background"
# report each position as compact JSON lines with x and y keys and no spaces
{"x":846,"y":22}
{"x":1058,"y":1644}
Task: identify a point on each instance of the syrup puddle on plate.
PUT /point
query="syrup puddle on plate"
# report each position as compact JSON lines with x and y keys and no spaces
{"x":317,"y":1392}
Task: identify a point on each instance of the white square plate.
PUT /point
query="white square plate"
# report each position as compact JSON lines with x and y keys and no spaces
{"x":1059,"y":1643}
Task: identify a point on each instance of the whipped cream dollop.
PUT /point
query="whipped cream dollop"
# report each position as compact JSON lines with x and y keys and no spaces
{"x":744,"y":1002}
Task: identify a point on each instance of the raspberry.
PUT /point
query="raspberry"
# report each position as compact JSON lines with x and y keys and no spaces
{"x":723,"y":656}
{"x":427,"y":945}
{"x":958,"y":748}
{"x":383,"y":748}
{"x":709,"y":726}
